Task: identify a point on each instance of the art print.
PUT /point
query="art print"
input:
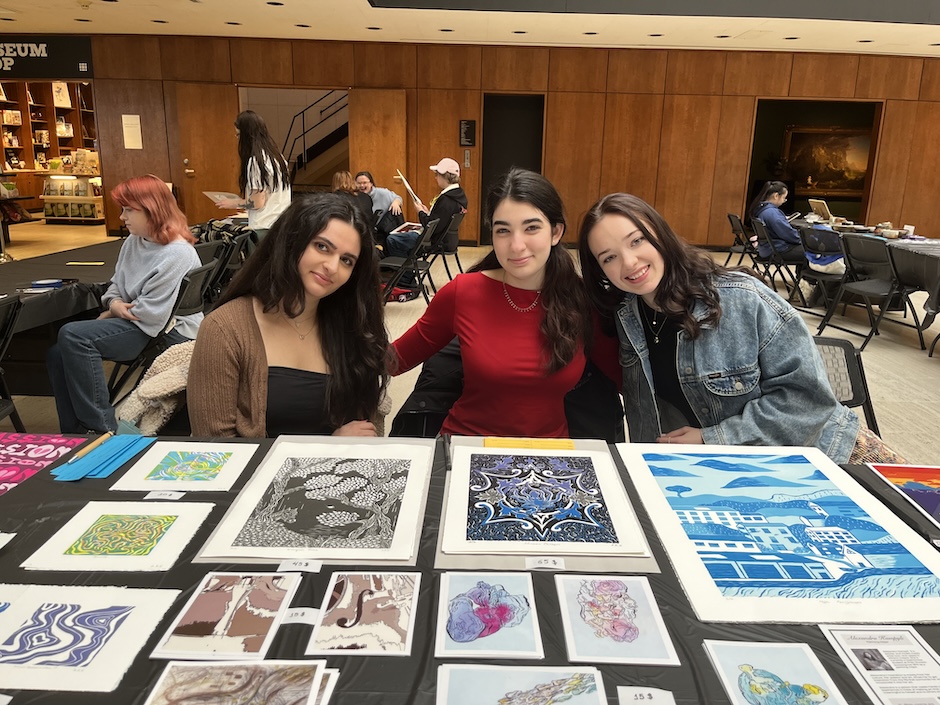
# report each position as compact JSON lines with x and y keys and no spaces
{"x":536,"y":501}
{"x":767,"y":673}
{"x":782,"y":535}
{"x":22,"y":455}
{"x":487,"y":615}
{"x":230,"y":616}
{"x":121,"y":536}
{"x":327,"y":686}
{"x":613,"y":619}
{"x":238,"y":683}
{"x":918,"y":484}
{"x":75,"y":638}
{"x":188,"y":467}
{"x":367,"y":614}
{"x":323,"y":501}
{"x":519,"y":685}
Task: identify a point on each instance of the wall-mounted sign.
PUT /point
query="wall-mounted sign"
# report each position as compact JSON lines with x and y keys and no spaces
{"x":468,"y":133}
{"x":44,"y":57}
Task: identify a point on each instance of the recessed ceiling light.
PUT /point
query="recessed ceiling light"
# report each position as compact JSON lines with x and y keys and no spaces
{"x":590,"y":34}
{"x":109,"y":0}
{"x":722,"y":36}
{"x":234,"y":23}
{"x":374,"y":29}
{"x":7,"y":19}
{"x":275,"y":4}
{"x":790,"y":39}
{"x":82,"y":19}
{"x":865,"y":41}
{"x":931,"y":45}
{"x":654,"y":35}
{"x":160,"y":21}
{"x":305,"y":26}
{"x":445,"y":30}
{"x":519,"y":31}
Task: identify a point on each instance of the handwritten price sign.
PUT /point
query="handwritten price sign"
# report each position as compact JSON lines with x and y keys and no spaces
{"x":544,"y":563}
{"x":300,"y":566}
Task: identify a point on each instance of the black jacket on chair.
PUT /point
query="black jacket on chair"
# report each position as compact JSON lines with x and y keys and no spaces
{"x":447,"y":205}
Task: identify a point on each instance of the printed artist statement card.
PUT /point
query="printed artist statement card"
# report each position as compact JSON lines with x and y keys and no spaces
{"x":230,"y":616}
{"x":367,"y":614}
{"x":487,"y":615}
{"x":519,"y":685}
{"x":613,"y":619}
{"x":188,"y":467}
{"x":123,"y":536}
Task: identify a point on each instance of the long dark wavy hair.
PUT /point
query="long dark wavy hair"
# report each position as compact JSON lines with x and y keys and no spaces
{"x":687,"y":270}
{"x":350,"y":321}
{"x":567,"y":323}
{"x":254,"y":140}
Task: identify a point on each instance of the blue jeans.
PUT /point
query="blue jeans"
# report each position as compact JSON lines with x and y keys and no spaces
{"x":77,"y":373}
{"x":401,"y":245}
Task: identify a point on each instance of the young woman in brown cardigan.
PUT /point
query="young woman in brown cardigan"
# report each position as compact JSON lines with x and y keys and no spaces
{"x":297,"y":343}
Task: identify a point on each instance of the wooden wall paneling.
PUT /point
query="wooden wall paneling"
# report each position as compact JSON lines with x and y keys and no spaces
{"x":824,"y":75}
{"x":377,"y":134}
{"x":447,"y":66}
{"x":889,"y":77}
{"x":577,"y":69}
{"x":695,"y":72}
{"x":930,"y":80}
{"x":125,"y":56}
{"x":923,"y":176}
{"x":687,"y":163}
{"x":732,"y":163}
{"x":323,"y":64}
{"x":572,"y":155}
{"x":763,"y":73}
{"x":196,"y":59}
{"x":117,"y":97}
{"x":522,"y":69}
{"x":264,"y":61}
{"x":892,"y":160}
{"x":385,"y":65}
{"x":630,"y":161}
{"x":411,"y":152}
{"x":438,"y":137}
{"x":636,"y":70}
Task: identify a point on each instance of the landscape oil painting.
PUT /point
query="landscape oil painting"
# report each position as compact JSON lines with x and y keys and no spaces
{"x":918,"y":484}
{"x":771,"y":534}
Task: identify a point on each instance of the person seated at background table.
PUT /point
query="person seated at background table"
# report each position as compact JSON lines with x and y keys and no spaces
{"x":448,"y":203}
{"x":345,"y":185}
{"x":386,"y":206}
{"x":709,"y":355}
{"x":297,"y":343}
{"x":522,"y":318}
{"x":150,"y":268}
{"x":784,"y":237}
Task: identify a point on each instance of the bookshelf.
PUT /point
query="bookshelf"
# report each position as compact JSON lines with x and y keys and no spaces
{"x":74,"y":199}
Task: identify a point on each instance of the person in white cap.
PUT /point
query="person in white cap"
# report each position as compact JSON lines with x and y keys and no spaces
{"x":450,"y":201}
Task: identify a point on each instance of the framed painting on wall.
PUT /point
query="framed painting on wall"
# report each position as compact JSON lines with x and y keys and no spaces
{"x":827,"y":161}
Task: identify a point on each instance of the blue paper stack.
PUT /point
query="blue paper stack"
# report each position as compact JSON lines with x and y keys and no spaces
{"x":103,"y":460}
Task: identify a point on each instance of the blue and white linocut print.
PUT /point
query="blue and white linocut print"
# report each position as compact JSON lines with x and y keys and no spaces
{"x":782,"y":535}
{"x":613,"y":619}
{"x":536,"y":502}
{"x":519,"y":685}
{"x":772,"y":674}
{"x":76,"y":638}
{"x":487,"y":615}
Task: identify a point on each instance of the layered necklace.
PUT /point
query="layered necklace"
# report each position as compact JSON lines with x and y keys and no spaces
{"x":296,"y":326}
{"x":652,"y":324}
{"x":517,"y":307}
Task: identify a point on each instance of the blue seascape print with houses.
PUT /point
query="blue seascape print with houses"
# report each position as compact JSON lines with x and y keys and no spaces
{"x":776,"y":526}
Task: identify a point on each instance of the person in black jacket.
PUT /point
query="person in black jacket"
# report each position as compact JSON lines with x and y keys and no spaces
{"x":450,"y":201}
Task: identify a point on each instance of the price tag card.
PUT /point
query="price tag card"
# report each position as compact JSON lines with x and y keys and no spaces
{"x":632,"y":695}
{"x":4,"y":540}
{"x":541,"y":443}
{"x":164,"y":494}
{"x":301,"y":615}
{"x":544,"y":563}
{"x":300,"y":566}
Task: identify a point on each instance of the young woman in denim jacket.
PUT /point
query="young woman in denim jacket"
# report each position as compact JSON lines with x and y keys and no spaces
{"x":708,"y":355}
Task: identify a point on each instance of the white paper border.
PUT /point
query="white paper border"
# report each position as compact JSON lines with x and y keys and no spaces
{"x":444,"y":671}
{"x":134,"y":479}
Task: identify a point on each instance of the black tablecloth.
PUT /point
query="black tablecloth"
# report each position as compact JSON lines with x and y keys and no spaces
{"x":40,"y":506}
{"x":929,"y":251}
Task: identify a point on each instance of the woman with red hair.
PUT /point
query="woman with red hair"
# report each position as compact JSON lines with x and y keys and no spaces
{"x":150,"y":268}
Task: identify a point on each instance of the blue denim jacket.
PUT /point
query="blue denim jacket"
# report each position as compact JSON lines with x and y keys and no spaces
{"x":755,"y":379}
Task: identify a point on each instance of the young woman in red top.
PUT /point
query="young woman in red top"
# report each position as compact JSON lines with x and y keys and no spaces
{"x":522,"y":318}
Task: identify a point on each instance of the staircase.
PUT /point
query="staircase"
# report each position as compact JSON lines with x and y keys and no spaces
{"x":317,"y":143}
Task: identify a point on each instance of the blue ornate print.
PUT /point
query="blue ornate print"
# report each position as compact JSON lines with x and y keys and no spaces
{"x":775,"y":525}
{"x":62,"y":635}
{"x":536,"y":498}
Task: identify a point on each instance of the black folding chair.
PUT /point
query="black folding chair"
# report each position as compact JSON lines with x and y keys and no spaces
{"x":743,"y":245}
{"x":843,"y":362}
{"x":189,"y":301}
{"x":218,"y":251}
{"x":907,"y":268}
{"x":774,"y":264}
{"x":447,"y":245}
{"x":416,"y":263}
{"x":825,"y":282}
{"x":9,"y":312}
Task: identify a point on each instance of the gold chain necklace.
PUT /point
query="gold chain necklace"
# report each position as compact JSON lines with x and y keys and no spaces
{"x":516,"y":307}
{"x":651,"y":324}
{"x":302,"y":336}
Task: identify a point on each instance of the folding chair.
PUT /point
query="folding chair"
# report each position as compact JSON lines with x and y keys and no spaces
{"x":188,"y":301}
{"x":9,"y":312}
{"x":743,"y":243}
{"x":907,"y":268}
{"x":218,"y":251}
{"x":416,"y":263}
{"x":814,"y":245}
{"x":774,"y":264}
{"x":447,"y":245}
{"x":869,"y":275}
{"x":846,"y":375}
